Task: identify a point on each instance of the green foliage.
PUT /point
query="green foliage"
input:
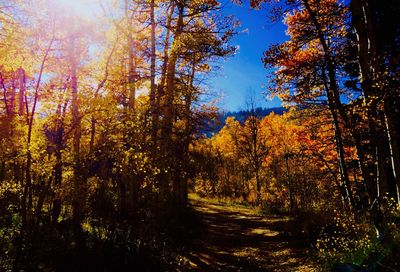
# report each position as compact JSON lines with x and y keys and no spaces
{"x":351,"y":240}
{"x":345,"y":242}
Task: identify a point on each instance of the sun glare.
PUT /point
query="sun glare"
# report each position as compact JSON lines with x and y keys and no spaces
{"x":84,"y":8}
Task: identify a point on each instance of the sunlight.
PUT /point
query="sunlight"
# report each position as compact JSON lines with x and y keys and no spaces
{"x":85,"y":8}
{"x":118,"y":153}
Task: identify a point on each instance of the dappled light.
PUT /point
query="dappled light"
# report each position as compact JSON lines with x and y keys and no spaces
{"x":122,"y":147}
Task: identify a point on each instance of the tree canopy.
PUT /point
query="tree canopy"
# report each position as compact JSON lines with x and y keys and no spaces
{"x":103,"y":130}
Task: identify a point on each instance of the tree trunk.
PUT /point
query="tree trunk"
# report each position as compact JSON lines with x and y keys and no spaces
{"x":77,"y":203}
{"x":170,"y":79}
{"x":27,"y":193}
{"x":131,"y":61}
{"x":394,"y":146}
{"x":362,"y":23}
{"x":161,"y":85}
{"x":345,"y":182}
{"x":153,"y":89}
{"x":167,"y":130}
{"x":289,"y":182}
{"x":334,"y":91}
{"x":187,"y":135}
{"x":59,"y":165}
{"x":22,"y":90}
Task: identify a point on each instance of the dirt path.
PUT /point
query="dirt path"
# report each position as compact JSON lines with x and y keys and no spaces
{"x":236,"y":239}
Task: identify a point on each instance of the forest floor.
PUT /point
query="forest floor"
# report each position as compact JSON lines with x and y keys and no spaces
{"x":236,"y":238}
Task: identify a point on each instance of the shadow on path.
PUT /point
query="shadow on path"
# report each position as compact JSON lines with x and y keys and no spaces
{"x":236,"y":239}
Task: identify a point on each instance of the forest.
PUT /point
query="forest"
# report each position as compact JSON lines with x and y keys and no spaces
{"x":115,"y":156}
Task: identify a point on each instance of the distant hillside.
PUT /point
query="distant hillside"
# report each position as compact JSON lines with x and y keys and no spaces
{"x":242,"y":115}
{"x":214,"y":126}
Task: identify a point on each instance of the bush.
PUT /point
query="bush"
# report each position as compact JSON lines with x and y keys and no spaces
{"x":359,"y":241}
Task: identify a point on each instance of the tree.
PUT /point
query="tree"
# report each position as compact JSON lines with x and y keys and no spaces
{"x":97,"y":119}
{"x":308,"y":72}
{"x":376,"y":48}
{"x":251,"y":140}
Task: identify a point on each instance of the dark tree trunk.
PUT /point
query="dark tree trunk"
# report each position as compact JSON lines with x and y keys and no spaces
{"x":334,"y":92}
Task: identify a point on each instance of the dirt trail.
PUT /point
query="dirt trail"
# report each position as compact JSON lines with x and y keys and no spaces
{"x":236,"y":239}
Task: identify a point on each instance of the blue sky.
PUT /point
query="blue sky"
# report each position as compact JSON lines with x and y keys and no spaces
{"x":243,"y":75}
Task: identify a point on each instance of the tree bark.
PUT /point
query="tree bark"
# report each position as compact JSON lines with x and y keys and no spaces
{"x":393,"y":136}
{"x":153,"y":89}
{"x":362,"y":22}
{"x":339,"y":143}
{"x":170,"y":79}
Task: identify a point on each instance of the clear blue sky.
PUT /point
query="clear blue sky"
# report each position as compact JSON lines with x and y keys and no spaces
{"x":243,"y":75}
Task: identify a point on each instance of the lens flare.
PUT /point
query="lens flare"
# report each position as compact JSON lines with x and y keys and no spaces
{"x":83,"y":8}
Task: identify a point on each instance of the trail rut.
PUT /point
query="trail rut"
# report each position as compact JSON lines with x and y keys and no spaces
{"x":237,"y":239}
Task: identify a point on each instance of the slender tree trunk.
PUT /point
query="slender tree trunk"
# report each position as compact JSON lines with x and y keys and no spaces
{"x":153,"y":88}
{"x":289,"y":182}
{"x":334,"y":90}
{"x":13,"y":95}
{"x":258,"y":184}
{"x":393,"y":136}
{"x":26,"y":201}
{"x":77,"y":204}
{"x":168,"y":118}
{"x":22,"y":90}
{"x":76,"y":124}
{"x":339,"y":144}
{"x":5,"y":91}
{"x":132,"y":179}
{"x":369,"y":71}
{"x":57,"y":183}
{"x":170,"y":80}
{"x":187,"y":135}
{"x":161,"y":85}
{"x":131,"y":60}
{"x":27,"y":193}
{"x":160,"y":102}
{"x":59,"y":164}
